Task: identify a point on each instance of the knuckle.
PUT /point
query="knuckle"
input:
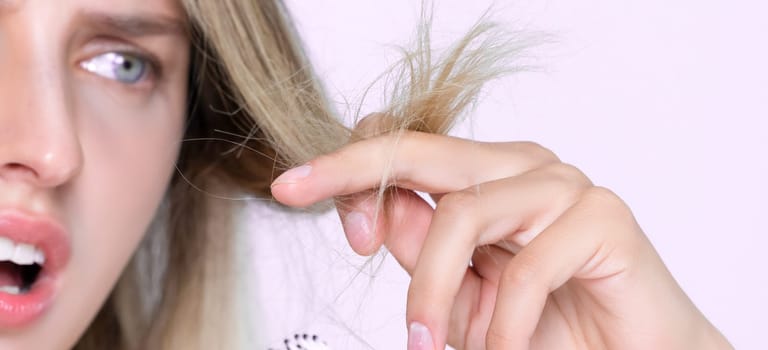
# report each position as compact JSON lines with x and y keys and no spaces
{"x":393,"y":154}
{"x":520,"y":274}
{"x":606,"y":203}
{"x":537,"y":150}
{"x":613,"y":219}
{"x":405,"y":167}
{"x":567,"y":173}
{"x":602,"y":196}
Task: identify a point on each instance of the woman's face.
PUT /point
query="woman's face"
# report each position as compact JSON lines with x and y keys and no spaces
{"x":92,"y":106}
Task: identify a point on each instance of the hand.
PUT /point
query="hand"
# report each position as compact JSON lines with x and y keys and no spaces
{"x":556,"y":263}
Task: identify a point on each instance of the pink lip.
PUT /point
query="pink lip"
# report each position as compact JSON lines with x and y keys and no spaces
{"x":17,"y":311}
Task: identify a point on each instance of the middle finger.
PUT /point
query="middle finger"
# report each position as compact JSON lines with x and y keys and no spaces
{"x":514,"y":209}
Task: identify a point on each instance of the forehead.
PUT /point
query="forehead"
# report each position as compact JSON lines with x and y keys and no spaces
{"x":165,"y":8}
{"x":129,"y":17}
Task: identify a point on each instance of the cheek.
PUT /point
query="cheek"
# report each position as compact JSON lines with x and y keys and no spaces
{"x":130,"y":155}
{"x":129,"y":151}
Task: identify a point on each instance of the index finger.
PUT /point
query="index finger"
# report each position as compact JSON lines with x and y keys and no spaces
{"x":411,"y":160}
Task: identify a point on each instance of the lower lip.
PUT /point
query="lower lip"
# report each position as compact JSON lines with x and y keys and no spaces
{"x":19,"y":310}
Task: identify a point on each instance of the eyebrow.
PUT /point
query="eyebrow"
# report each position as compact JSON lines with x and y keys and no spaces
{"x":135,"y":25}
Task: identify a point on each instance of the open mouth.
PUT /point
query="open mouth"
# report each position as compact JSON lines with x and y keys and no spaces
{"x":20,"y":266}
{"x":33,"y":252}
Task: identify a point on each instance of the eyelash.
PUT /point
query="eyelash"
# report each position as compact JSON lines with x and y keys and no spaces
{"x":107,"y":63}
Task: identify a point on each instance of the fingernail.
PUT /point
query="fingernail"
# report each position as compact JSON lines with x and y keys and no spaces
{"x":358,"y":229}
{"x":419,"y":337}
{"x":293,"y":175}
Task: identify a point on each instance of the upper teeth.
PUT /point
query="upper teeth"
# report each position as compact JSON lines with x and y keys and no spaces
{"x":20,"y":253}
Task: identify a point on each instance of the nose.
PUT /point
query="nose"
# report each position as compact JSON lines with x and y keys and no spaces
{"x":39,"y":143}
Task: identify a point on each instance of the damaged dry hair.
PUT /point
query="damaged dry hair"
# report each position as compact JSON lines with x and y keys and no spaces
{"x":256,"y":109}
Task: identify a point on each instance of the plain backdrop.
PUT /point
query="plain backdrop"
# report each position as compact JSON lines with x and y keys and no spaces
{"x":665,"y":102}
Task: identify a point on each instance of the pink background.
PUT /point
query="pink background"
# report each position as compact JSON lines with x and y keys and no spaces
{"x":664,"y":102}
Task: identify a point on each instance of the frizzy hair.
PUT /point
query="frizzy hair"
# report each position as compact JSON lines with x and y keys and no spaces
{"x":257,"y":109}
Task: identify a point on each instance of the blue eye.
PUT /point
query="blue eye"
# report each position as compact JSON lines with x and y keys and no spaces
{"x":124,"y":68}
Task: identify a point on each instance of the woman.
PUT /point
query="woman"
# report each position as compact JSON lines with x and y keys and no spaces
{"x":120,"y":150}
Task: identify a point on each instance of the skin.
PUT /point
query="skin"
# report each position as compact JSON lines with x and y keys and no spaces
{"x":557,"y":262}
{"x":92,"y":152}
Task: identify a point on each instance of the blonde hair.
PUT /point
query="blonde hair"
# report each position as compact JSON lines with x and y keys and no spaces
{"x":257,"y":109}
